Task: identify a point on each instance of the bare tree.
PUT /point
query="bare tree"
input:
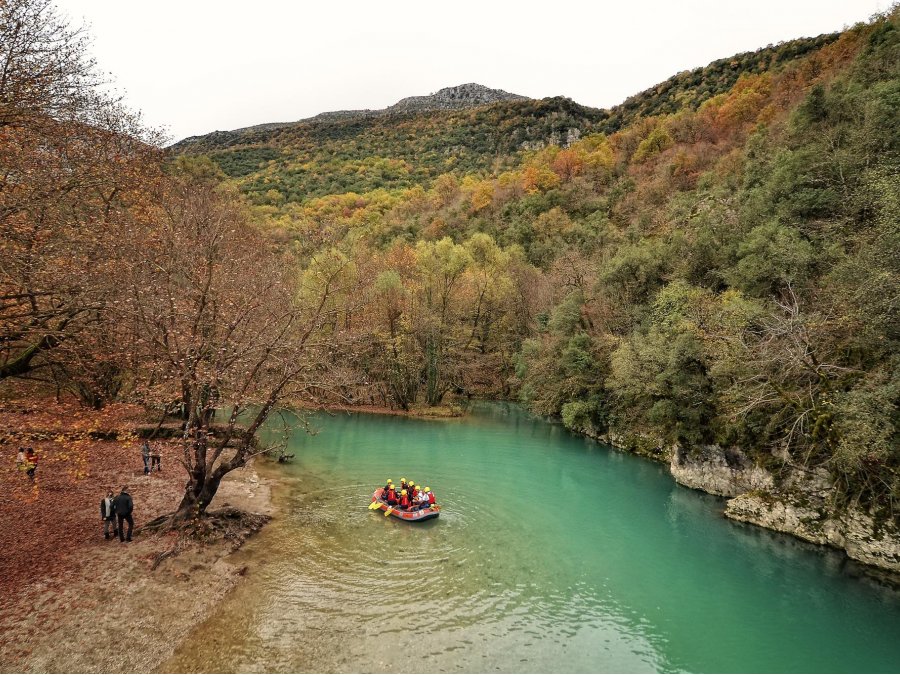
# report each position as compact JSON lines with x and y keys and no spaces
{"x":787,"y":368}
{"x":72,"y":163}
{"x":226,"y":327}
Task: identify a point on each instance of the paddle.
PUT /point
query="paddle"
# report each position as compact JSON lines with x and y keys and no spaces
{"x":374,"y":505}
{"x":388,"y":512}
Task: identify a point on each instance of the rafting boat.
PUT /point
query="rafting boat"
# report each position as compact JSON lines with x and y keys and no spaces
{"x":410,"y":516}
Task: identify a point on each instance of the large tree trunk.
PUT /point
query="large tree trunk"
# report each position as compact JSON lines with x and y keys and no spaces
{"x":205,"y":461}
{"x":199,"y":493}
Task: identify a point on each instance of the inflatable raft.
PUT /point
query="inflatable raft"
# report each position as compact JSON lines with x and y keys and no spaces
{"x":411,"y":516}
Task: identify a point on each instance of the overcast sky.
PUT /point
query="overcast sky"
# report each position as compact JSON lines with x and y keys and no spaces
{"x":195,"y":66}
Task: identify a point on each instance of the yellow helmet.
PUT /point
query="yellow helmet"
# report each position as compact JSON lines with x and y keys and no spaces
{"x":403,"y":492}
{"x":402,"y":480}
{"x":389,"y":481}
{"x":428,"y":489}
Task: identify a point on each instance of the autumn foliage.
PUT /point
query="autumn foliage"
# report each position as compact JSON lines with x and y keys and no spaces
{"x":708,"y":263}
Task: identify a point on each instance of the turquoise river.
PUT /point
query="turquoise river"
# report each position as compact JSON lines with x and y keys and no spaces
{"x":552,"y":554}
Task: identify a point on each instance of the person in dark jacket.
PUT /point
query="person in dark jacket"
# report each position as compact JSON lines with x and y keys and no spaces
{"x":108,"y":514}
{"x":123,"y":506}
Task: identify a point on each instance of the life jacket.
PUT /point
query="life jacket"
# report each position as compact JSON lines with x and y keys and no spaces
{"x":404,"y":502}
{"x":391,"y":495}
{"x":415,"y":491}
{"x":430,"y":498}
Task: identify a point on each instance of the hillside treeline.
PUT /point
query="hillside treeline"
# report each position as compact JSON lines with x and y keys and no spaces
{"x":724,"y":274}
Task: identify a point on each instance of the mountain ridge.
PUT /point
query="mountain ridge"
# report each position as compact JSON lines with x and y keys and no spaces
{"x":457,"y":97}
{"x":462,"y":129}
{"x":686,"y":88}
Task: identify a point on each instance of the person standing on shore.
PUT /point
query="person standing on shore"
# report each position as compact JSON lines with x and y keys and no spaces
{"x":20,"y":459}
{"x":123,"y":506}
{"x":108,"y":515}
{"x":155,"y":458}
{"x":145,"y":454}
{"x":31,"y":462}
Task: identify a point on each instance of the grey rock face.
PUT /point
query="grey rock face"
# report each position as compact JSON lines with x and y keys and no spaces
{"x":799,"y":503}
{"x":852,"y":530}
{"x":450,"y":98}
{"x":726,"y":473}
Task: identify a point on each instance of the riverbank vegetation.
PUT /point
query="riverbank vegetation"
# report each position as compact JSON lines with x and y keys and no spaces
{"x":713,"y":262}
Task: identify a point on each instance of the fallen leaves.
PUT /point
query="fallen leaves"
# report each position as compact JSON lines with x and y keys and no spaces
{"x":47,"y":525}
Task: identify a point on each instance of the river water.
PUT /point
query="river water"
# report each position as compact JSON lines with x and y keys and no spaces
{"x":552,"y":554}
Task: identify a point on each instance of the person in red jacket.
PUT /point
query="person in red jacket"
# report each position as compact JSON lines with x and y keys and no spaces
{"x":414,"y":492}
{"x":430,"y":496}
{"x":404,"y":500}
{"x":391,"y":496}
{"x":31,"y":462}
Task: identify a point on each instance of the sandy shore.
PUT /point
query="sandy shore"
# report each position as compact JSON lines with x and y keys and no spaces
{"x":71,"y":601}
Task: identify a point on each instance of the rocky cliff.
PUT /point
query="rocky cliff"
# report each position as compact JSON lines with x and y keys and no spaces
{"x":468,"y":95}
{"x":796,"y":502}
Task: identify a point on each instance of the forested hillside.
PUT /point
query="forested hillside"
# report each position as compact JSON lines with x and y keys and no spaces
{"x":314,"y":158}
{"x":720,"y":268}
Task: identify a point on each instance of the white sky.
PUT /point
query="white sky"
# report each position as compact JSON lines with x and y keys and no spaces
{"x":196,"y":66}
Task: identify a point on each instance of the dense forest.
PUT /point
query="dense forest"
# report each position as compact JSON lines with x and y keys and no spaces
{"x":713,"y":262}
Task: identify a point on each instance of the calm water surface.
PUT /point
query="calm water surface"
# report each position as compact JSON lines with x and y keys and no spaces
{"x":553,"y":553}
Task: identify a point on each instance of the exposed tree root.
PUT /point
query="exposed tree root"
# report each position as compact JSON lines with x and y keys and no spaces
{"x":227,"y":524}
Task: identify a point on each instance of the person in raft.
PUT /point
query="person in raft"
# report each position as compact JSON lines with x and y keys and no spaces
{"x":420,"y":500}
{"x":425,"y":498}
{"x":409,"y":497}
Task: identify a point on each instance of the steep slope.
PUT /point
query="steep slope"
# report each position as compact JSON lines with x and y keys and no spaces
{"x":713,"y":284}
{"x":463,"y":129}
{"x":397,"y":149}
{"x":690,"y":88}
